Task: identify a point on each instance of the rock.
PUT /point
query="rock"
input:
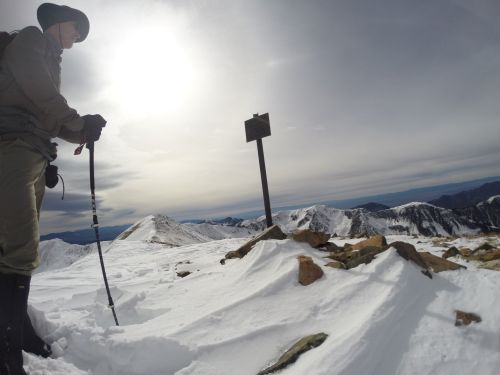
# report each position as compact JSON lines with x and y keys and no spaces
{"x":336,"y":264}
{"x":315,"y":239}
{"x":485,"y":246}
{"x":353,"y":259}
{"x":465,"y":252}
{"x":303,"y":345}
{"x":493,"y":265}
{"x":183,"y":273}
{"x":309,"y":271}
{"x":488,"y":257}
{"x":331,"y":247}
{"x":438,"y":264}
{"x":273,"y":233}
{"x":451,"y":252}
{"x":356,"y":261}
{"x":409,"y":252}
{"x":376,"y":241}
{"x":464,"y":318}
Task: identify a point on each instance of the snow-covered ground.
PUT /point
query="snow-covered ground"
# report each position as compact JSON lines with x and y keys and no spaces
{"x":382,"y":318}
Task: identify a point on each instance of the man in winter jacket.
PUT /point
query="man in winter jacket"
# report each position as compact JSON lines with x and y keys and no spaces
{"x":32,"y":113}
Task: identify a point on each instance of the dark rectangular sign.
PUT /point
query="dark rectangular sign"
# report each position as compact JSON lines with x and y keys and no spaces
{"x":258,"y":127}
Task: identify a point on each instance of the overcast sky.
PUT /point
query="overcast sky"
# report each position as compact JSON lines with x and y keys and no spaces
{"x":364,"y":97}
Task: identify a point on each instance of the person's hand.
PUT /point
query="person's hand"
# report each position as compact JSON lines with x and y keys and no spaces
{"x":93,"y":127}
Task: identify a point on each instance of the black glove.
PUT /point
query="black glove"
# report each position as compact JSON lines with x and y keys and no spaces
{"x":93,"y":127}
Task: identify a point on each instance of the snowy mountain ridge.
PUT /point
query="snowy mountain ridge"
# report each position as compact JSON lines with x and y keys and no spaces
{"x":416,"y":218}
{"x":165,"y":230}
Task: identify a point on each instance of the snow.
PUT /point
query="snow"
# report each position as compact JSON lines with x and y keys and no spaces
{"x":493,"y":198}
{"x":382,"y":318}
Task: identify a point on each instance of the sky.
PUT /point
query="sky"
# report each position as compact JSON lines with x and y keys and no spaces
{"x":364,"y":97}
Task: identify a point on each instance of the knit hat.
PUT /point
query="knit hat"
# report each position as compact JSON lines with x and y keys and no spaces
{"x":49,"y":14}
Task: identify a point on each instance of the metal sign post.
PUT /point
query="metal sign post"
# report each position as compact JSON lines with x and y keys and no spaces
{"x":257,"y":128}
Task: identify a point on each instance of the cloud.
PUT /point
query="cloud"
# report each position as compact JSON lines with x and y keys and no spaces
{"x":364,"y":97}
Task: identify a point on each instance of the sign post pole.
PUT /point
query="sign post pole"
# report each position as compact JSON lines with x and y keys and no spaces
{"x":257,"y":128}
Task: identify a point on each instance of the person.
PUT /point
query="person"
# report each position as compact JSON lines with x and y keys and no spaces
{"x":32,"y":113}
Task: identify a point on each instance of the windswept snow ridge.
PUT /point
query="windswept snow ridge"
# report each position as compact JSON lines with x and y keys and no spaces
{"x":382,"y":318}
{"x":162,"y":229}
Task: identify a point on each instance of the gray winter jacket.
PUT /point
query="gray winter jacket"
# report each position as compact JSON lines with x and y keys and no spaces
{"x":30,"y":99}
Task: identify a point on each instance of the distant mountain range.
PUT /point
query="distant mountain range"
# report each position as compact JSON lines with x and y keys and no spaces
{"x":456,"y":213}
{"x":410,"y":219}
{"x":86,"y":236}
{"x":468,"y":198}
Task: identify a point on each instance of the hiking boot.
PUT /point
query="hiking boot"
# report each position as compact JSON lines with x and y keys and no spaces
{"x":14,"y":290}
{"x":32,"y":343}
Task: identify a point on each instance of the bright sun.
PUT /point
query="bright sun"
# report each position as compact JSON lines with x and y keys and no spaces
{"x":151,"y":72}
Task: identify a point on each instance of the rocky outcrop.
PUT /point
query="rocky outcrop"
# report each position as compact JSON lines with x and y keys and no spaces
{"x":463,"y":318}
{"x":438,"y":264}
{"x":309,"y":271}
{"x":493,"y":265}
{"x":408,"y":252}
{"x":314,"y":239}
{"x":451,"y":252}
{"x":274,"y":232}
{"x":360,"y":253}
{"x":291,"y":355}
{"x":374,"y":241}
{"x":336,"y":264}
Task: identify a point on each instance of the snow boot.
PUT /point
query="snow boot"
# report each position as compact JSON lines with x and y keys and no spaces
{"x":14,"y":290}
{"x":32,"y":343}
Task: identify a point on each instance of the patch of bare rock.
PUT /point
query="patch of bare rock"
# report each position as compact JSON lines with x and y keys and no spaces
{"x":309,"y":271}
{"x":291,"y":355}
{"x":487,"y":255}
{"x":463,"y":318}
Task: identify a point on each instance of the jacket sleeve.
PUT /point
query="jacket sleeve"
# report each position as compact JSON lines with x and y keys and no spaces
{"x":25,"y":58}
{"x":70,"y":136}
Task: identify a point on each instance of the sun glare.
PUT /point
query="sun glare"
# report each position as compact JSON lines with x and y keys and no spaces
{"x":151,"y":72}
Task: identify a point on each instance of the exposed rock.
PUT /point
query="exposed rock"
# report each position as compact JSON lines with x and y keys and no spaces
{"x":409,"y":252}
{"x":331,"y":247}
{"x":309,"y":271}
{"x":464,"y":318}
{"x":353,"y":258}
{"x":315,"y":239}
{"x":356,"y":261}
{"x":273,"y":232}
{"x":377,"y":241}
{"x":451,"y":252}
{"x":303,"y":345}
{"x":183,"y":273}
{"x":465,"y":252}
{"x":438,"y":264}
{"x":493,"y":265}
{"x":336,"y":264}
{"x":487,"y":257}
{"x":485,"y":246}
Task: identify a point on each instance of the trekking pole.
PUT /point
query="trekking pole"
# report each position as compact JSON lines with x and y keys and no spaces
{"x":95,"y":225}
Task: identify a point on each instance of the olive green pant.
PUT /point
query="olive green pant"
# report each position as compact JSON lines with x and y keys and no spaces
{"x":22,"y":185}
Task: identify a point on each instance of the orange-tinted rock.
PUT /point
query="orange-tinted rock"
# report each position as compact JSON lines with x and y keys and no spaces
{"x":309,"y":271}
{"x":273,"y":232}
{"x":438,"y":264}
{"x":315,"y":239}
{"x":375,"y":241}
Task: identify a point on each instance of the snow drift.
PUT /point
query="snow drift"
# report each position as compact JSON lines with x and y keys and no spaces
{"x":382,"y":318}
